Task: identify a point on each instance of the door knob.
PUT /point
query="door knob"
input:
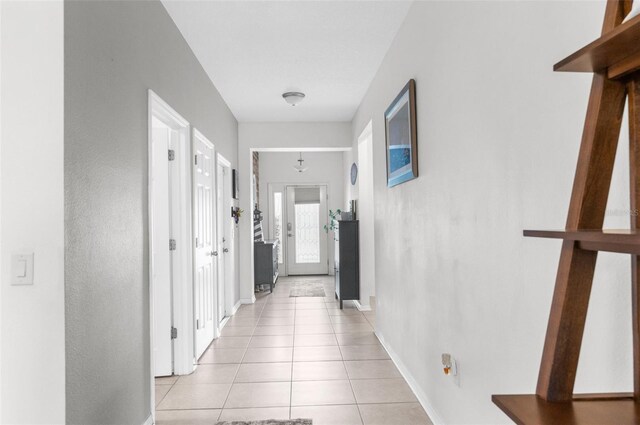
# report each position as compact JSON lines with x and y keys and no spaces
{"x":225,"y":250}
{"x":212,"y":253}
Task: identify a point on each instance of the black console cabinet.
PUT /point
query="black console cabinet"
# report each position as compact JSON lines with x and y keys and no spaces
{"x":265,"y":263}
{"x":347,"y":261}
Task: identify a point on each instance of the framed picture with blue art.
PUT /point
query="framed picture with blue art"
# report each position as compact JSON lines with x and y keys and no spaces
{"x":402,"y":137}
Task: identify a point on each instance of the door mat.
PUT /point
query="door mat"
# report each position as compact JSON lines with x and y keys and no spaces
{"x":307,"y":289}
{"x":270,"y":422}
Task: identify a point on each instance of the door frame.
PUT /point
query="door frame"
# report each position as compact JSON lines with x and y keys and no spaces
{"x":271,"y":189}
{"x":197,"y":135}
{"x":366,"y":200}
{"x":285,"y":214}
{"x":182,"y":303}
{"x":226,"y":225}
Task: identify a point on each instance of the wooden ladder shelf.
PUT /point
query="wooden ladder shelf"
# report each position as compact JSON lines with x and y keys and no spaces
{"x":614,"y":59}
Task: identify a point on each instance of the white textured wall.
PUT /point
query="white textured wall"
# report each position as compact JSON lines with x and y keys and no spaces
{"x":31,"y":214}
{"x":350,"y":191}
{"x":323,"y":168}
{"x":276,"y":135}
{"x":498,"y":137}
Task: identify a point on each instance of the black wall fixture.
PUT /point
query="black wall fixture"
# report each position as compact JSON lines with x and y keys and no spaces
{"x":234,"y":183}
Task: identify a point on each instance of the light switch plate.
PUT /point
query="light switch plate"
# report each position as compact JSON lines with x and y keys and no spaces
{"x":22,"y":269}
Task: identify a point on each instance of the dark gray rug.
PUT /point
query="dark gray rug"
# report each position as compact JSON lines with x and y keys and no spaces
{"x":307,"y":289}
{"x":270,"y":422}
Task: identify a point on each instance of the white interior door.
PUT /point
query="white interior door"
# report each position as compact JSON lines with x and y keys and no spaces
{"x":223,"y":215}
{"x":205,"y":254}
{"x":161,"y":256}
{"x":306,"y":238}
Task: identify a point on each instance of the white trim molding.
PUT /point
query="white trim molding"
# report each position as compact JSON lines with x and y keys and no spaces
{"x":362,"y":307}
{"x":235,"y":308}
{"x":149,"y":421}
{"x":221,"y":325}
{"x":183,"y":297}
{"x":413,"y":384}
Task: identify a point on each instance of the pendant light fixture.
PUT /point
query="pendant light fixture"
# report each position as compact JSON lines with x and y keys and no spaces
{"x":293,"y":97}
{"x":300,"y":167}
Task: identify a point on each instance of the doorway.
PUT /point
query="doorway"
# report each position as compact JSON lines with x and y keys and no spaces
{"x":365,"y":215}
{"x":224,"y":242}
{"x":160,"y":255}
{"x":170,"y":262}
{"x":277,"y":211}
{"x":204,"y":250}
{"x":306,"y":238}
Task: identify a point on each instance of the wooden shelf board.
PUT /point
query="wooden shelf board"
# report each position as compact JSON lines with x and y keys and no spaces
{"x":614,"y":49}
{"x":611,"y":240}
{"x":596,"y":409}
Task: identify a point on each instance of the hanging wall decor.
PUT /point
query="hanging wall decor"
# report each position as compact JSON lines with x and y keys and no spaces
{"x":402,"y":137}
{"x":354,"y":174}
{"x":234,"y":184}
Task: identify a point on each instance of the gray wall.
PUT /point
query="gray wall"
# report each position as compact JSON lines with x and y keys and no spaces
{"x":114,"y":52}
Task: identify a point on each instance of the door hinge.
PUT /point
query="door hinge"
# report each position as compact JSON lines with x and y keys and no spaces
{"x":172,"y":244}
{"x":196,"y":159}
{"x":174,"y":333}
{"x":172,"y":154}
{"x":197,"y":323}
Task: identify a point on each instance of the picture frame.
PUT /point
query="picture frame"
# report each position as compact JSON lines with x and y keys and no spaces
{"x":401,"y":134}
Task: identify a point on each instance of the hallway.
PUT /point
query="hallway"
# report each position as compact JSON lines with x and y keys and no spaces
{"x":293,"y":357}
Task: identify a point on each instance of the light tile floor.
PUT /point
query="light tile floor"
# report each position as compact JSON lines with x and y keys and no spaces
{"x":286,"y":357}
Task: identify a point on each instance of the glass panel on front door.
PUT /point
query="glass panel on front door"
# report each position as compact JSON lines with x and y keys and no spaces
{"x":278,"y":221}
{"x":307,"y":233}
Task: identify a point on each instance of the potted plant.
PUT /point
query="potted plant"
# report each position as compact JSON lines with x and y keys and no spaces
{"x":334,"y":216}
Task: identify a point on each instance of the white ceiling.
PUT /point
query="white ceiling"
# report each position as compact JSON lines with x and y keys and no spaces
{"x":255,"y":51}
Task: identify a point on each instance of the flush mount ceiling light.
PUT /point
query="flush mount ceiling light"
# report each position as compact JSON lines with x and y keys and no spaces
{"x":293,"y":97}
{"x":300,"y":167}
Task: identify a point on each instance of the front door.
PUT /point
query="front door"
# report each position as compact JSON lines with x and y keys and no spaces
{"x":306,"y":237}
{"x":204,"y":235}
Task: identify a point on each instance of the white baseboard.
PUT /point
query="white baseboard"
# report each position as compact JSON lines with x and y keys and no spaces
{"x":361,"y":307}
{"x":235,"y":308}
{"x":413,"y":384}
{"x":247,"y":300}
{"x":149,"y":420}
{"x":223,"y":323}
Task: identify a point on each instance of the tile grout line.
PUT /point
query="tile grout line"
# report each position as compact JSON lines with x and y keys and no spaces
{"x":165,"y":394}
{"x":293,"y":350}
{"x":210,"y":346}
{"x":239,"y":366}
{"x":324,"y":308}
{"x":350,"y":385}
